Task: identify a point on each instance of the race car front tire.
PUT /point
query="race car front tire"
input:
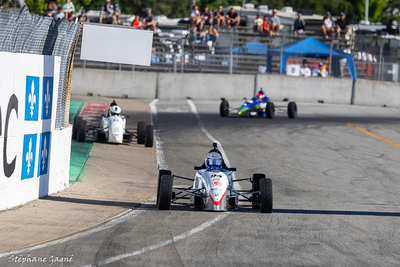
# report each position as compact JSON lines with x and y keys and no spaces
{"x":292,"y":110}
{"x":81,"y":135}
{"x":75,"y":127}
{"x":149,"y":136}
{"x":270,"y":110}
{"x":256,"y":187}
{"x":141,"y":132}
{"x":161,"y":173}
{"x":165,"y":196}
{"x":224,"y":108}
{"x":266,"y":195}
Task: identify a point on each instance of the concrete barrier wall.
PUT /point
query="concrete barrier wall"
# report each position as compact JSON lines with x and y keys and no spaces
{"x":113,"y":83}
{"x":233,"y":87}
{"x":34,"y":155}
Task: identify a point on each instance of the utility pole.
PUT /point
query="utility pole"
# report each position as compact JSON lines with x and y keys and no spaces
{"x":366,"y":11}
{"x":192,"y":3}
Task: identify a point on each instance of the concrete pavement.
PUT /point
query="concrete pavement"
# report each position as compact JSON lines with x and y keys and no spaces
{"x":115,"y":179}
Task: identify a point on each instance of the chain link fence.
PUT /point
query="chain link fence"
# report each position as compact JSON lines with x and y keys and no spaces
{"x":240,"y":53}
{"x":22,"y":32}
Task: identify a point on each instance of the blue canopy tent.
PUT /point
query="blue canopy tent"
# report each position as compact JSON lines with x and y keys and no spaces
{"x":311,"y":47}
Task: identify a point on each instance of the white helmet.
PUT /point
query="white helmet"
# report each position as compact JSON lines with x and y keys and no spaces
{"x":115,"y":110}
{"x":213,"y":160}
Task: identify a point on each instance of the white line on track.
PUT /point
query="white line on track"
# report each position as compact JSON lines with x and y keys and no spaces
{"x":108,"y":225}
{"x":162,"y":243}
{"x":162,"y":165}
{"x":190,"y":232}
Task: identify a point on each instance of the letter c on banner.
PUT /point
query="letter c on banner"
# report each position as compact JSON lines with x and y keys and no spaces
{"x":9,"y":168}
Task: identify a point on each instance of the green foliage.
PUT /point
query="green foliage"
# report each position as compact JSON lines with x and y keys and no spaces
{"x":180,"y":8}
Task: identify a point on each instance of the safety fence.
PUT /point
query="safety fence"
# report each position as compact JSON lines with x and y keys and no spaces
{"x":22,"y":32}
{"x":238,"y":53}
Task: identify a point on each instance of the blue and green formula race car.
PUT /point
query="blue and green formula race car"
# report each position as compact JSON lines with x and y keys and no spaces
{"x":259,"y":106}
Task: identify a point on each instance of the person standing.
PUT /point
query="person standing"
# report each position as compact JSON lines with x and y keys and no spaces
{"x":327,"y":26}
{"x":342,"y":25}
{"x":275,"y":23}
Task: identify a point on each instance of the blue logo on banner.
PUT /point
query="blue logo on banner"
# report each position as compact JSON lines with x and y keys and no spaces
{"x":44,"y":153}
{"x":28,"y":156}
{"x":47,"y":97}
{"x":32,"y":98}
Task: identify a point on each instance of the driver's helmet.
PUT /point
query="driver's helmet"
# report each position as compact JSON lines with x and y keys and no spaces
{"x":213,"y":160}
{"x":260,"y":97}
{"x":115,"y":110}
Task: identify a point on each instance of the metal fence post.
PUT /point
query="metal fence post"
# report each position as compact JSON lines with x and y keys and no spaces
{"x":182,"y":57}
{"x":174,"y":63}
{"x":231,"y":54}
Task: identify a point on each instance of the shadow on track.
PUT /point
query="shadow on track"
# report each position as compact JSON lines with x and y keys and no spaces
{"x":93,"y":202}
{"x":338,"y":212}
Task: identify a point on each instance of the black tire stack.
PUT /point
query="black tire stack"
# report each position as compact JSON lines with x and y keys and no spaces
{"x":79,"y":129}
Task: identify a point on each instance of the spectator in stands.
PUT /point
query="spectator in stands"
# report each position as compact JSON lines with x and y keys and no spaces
{"x":266,"y":26}
{"x":59,"y":14}
{"x":232,"y":19}
{"x":136,"y":22}
{"x":148,"y":21}
{"x":258,"y":24}
{"x":299,"y":25}
{"x":275,"y":23}
{"x":342,"y":25}
{"x":327,"y":26}
{"x":320,"y":71}
{"x":51,"y":8}
{"x":305,"y":70}
{"x":212,"y":34}
{"x":206,"y":16}
{"x":199,"y":33}
{"x":117,"y":12}
{"x":195,"y":17}
{"x":107,"y":11}
{"x":68,"y":8}
{"x":83,"y":17}
{"x":219,"y":18}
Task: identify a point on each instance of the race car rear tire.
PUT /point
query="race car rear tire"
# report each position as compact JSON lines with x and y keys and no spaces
{"x":149,"y":136}
{"x":164,"y":199}
{"x":224,"y":108}
{"x":141,"y":132}
{"x":75,"y":127}
{"x":161,"y":173}
{"x":81,"y":137}
{"x":266,"y":195}
{"x":270,"y":110}
{"x":256,"y":187}
{"x":292,"y":110}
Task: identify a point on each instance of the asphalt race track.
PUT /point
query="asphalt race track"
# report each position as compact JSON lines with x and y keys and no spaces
{"x":335,"y":173}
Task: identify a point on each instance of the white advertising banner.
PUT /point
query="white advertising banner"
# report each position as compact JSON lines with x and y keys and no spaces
{"x":116,"y":44}
{"x":28,"y":102}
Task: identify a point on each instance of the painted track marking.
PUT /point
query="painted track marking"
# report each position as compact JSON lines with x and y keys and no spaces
{"x":190,"y":232}
{"x":162,"y":165}
{"x":373,"y":135}
{"x":162,"y":243}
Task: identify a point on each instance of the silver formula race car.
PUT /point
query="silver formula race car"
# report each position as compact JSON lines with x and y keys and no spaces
{"x":259,"y":106}
{"x":213,"y":188}
{"x":112,"y":129}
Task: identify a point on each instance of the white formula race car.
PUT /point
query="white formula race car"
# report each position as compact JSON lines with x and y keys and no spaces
{"x":112,"y":129}
{"x":213,"y":188}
